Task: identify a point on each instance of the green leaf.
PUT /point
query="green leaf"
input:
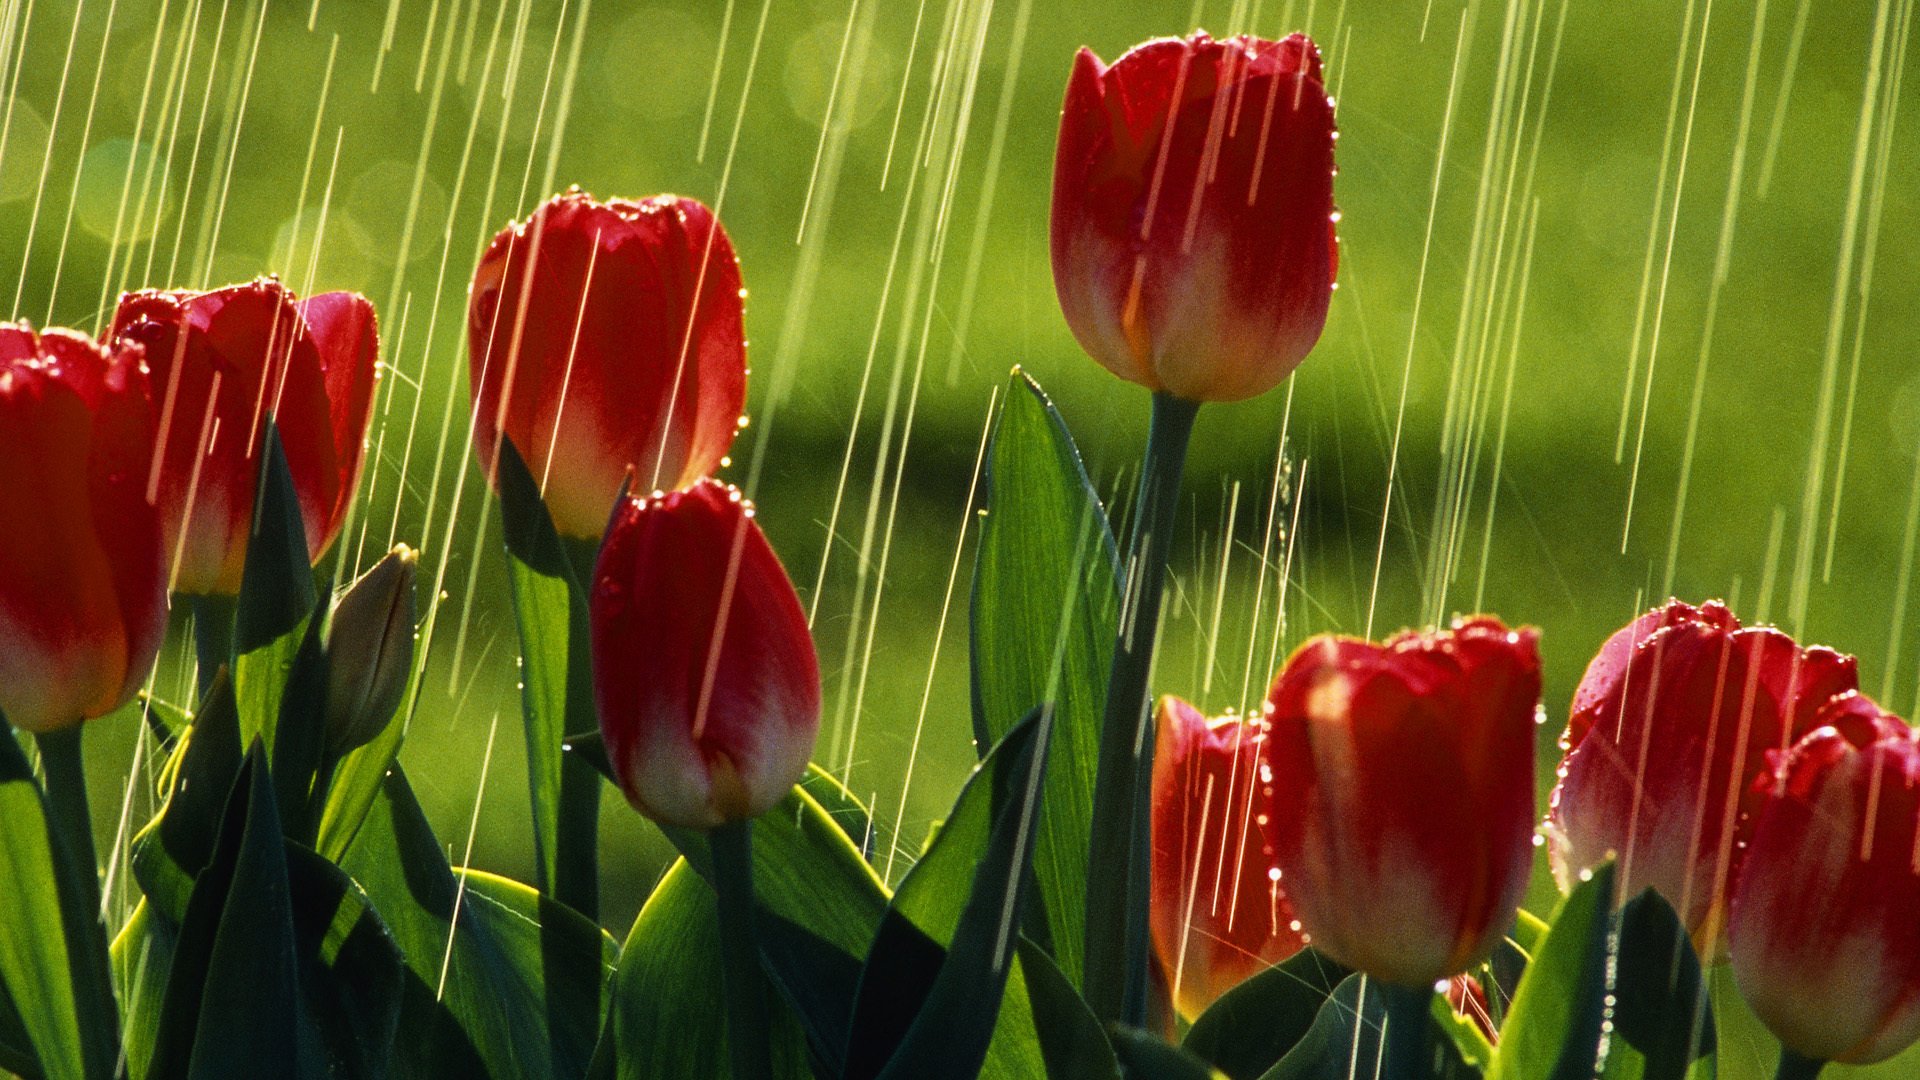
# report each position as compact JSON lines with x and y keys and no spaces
{"x":500,"y":981}
{"x":1071,"y":1040}
{"x":1553,"y":1029}
{"x":669,"y":1013}
{"x":1252,"y":1026}
{"x":356,"y":785}
{"x":1661,"y":1013}
{"x":1349,"y":1038}
{"x":556,"y":680}
{"x":142,"y":957}
{"x":232,"y":1006}
{"x":301,"y":732}
{"x":178,"y":843}
{"x":932,"y":987}
{"x":276,"y":596}
{"x":1147,"y":1058}
{"x":37,"y":967}
{"x":1045,"y":600}
{"x":819,"y":904}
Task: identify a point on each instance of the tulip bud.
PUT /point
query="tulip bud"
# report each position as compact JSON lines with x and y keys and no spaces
{"x":1825,"y":924}
{"x":83,"y":599}
{"x":223,"y":362}
{"x":704,"y":674}
{"x":1403,"y":780}
{"x":1669,"y":729}
{"x":1193,"y":237}
{"x":605,"y":337}
{"x":370,"y":651}
{"x":1217,"y":911}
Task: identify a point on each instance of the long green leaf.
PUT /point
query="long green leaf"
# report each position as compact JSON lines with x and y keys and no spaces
{"x":669,"y":1015}
{"x":500,"y":981}
{"x":1253,"y":1025}
{"x":1552,"y":1031}
{"x":1349,"y":1038}
{"x":1071,"y":1040}
{"x":1661,"y":1013}
{"x":35,"y":964}
{"x":932,"y":990}
{"x":171,"y":851}
{"x":277,"y":596}
{"x":1045,"y":598}
{"x":1147,"y":1058}
{"x":556,"y":680}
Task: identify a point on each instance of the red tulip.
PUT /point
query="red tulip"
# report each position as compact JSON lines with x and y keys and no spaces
{"x":1671,"y":726}
{"x":1825,"y":923}
{"x":1193,"y":237}
{"x":83,"y":596}
{"x":224,"y":361}
{"x":704,"y":674}
{"x":626,"y":351}
{"x":1217,"y":911}
{"x":1468,"y":1000}
{"x":1403,"y":779}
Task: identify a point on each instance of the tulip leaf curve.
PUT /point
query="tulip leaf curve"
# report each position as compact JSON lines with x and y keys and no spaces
{"x":1045,"y":602}
{"x":550,"y":608}
{"x":935,"y":982}
{"x":1553,"y":1028}
{"x":669,"y":1013}
{"x":1253,"y":1025}
{"x":500,"y":981}
{"x":1071,"y":1039}
{"x":1662,"y":1015}
{"x":1349,"y":1038}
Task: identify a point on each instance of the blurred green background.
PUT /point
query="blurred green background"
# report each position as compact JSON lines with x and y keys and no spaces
{"x":1562,"y":172}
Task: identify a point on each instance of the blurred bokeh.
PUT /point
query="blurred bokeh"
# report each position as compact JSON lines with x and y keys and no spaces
{"x":1626,"y":307}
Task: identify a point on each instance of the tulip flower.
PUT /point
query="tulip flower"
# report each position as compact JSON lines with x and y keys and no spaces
{"x":704,"y":674}
{"x":1825,"y":924}
{"x":1403,"y":781}
{"x":83,"y":598}
{"x":1217,"y":911}
{"x":222,"y":363}
{"x":1193,"y":219}
{"x":370,"y":651}
{"x":1669,"y":730}
{"x":604,"y":337}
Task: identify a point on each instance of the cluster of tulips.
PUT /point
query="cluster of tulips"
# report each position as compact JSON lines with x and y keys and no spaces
{"x":1374,"y":816}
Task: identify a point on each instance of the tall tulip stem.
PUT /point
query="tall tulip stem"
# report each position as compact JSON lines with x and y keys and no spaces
{"x":747,"y":1027}
{"x":1116,"y":932}
{"x":1795,"y":1067}
{"x":67,"y":806}
{"x":78,"y":875}
{"x":1406,"y":1038}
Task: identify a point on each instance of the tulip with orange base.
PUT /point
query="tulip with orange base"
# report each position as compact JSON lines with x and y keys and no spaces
{"x":1193,"y":220}
{"x":223,"y":363}
{"x":1218,"y":912}
{"x":708,"y":691}
{"x":1669,"y":731}
{"x":1403,"y":774}
{"x":604,"y":337}
{"x":1824,"y":929}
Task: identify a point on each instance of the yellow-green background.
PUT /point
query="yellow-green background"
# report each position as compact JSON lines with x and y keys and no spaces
{"x":297,"y":128}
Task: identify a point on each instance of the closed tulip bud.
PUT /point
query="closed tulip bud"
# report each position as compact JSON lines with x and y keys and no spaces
{"x":1403,"y":780}
{"x":222,"y":363}
{"x":704,"y":674}
{"x":1825,"y":923}
{"x":1670,"y":728}
{"x":1217,"y":911}
{"x":370,"y":651}
{"x":605,"y":337}
{"x":1193,"y":220}
{"x":83,"y":596}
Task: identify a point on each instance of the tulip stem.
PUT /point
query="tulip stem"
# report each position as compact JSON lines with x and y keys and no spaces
{"x":1406,"y":1036}
{"x":1117,"y":860}
{"x":747,"y":1027}
{"x":78,"y":881}
{"x":212,"y":638}
{"x":1795,"y":1067}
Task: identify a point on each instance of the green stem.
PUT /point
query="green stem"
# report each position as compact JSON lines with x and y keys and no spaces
{"x":1406,"y":1039}
{"x":212,"y":637}
{"x":1116,"y":931}
{"x":71,"y":825}
{"x":747,"y":1026}
{"x":1795,"y":1067}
